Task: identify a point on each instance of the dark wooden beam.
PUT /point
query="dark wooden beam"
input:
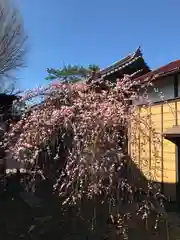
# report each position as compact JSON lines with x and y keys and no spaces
{"x":176,"y":94}
{"x":162,"y":149}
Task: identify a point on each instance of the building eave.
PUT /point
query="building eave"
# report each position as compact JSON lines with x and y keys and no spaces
{"x":123,"y":63}
{"x":166,"y":70}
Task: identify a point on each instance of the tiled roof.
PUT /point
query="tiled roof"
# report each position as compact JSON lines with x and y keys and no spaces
{"x":119,"y":65}
{"x":170,"y":68}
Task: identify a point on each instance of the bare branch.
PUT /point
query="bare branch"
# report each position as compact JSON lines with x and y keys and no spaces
{"x":12,"y":42}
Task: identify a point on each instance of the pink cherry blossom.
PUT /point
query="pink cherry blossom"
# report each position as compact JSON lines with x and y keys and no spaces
{"x":84,"y":127}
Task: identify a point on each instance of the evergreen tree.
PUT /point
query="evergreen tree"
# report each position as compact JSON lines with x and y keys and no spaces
{"x":72,"y":73}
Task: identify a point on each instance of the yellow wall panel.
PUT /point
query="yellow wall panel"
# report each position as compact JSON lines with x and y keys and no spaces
{"x":156,"y":109}
{"x":135,"y":152}
{"x":144,"y":154}
{"x":169,"y":176}
{"x":168,"y":116}
{"x":169,"y":156}
{"x":156,"y":117}
{"x":157,"y":174}
{"x":168,"y":145}
{"x":157,"y":158}
{"x":134,"y":138}
{"x":169,"y":163}
{"x":169,"y":107}
{"x":168,"y":110}
{"x":168,"y":124}
{"x":144,"y":141}
{"x":178,"y":112}
{"x":144,"y":111}
{"x":169,"y":150}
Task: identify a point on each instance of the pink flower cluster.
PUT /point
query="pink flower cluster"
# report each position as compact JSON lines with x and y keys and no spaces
{"x":98,"y":119}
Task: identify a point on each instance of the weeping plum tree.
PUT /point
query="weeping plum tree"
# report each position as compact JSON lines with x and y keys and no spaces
{"x":12,"y":44}
{"x":77,"y":138}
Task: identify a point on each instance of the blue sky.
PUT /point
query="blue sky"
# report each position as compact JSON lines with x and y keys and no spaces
{"x":97,"y":31}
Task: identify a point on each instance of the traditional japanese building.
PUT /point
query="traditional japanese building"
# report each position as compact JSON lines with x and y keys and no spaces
{"x":164,"y":113}
{"x":133,"y":64}
{"x":165,"y":117}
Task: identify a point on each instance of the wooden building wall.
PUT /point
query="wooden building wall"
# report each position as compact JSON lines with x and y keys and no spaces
{"x":157,"y":160}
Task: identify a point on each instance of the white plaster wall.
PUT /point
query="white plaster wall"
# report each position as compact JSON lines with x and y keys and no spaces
{"x":163,"y":89}
{"x":179,"y":84}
